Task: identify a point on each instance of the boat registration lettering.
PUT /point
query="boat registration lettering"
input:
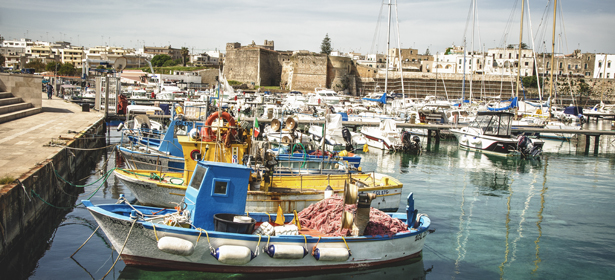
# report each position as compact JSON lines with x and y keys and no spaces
{"x":382,"y":192}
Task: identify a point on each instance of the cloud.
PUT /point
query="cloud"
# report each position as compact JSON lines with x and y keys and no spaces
{"x":295,"y":25}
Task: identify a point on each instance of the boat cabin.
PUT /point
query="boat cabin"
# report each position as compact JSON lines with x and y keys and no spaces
{"x":216,"y":188}
{"x":493,"y":123}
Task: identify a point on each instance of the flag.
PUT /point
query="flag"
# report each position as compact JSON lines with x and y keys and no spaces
{"x":256,"y":129}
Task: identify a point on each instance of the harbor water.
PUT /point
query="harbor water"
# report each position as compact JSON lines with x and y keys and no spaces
{"x":494,"y":218}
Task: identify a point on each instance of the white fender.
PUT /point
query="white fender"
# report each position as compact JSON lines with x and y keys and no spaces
{"x":233,"y":254}
{"x":286,"y":251}
{"x":176,"y":246}
{"x":331,"y":254}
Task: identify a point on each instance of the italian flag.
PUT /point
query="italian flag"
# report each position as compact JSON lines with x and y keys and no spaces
{"x":256,"y":129}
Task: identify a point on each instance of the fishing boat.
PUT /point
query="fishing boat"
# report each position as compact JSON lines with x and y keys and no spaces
{"x":213,"y":232}
{"x":490,"y":133}
{"x":268,"y":191}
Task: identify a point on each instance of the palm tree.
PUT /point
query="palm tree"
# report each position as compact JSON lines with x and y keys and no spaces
{"x":184,"y":53}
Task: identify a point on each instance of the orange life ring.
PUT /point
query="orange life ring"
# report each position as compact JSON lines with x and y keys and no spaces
{"x":207,"y":131}
{"x":349,"y":111}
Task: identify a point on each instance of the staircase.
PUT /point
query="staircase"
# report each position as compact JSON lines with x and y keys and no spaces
{"x":12,"y":108}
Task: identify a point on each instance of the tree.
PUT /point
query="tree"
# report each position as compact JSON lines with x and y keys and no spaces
{"x":523,"y":46}
{"x":530,"y":82}
{"x":37,"y":64}
{"x":427,"y":52}
{"x":66,"y":69}
{"x":184,"y":53}
{"x":160,"y":60}
{"x":325,"y":46}
{"x":2,"y":60}
{"x":51,"y":66}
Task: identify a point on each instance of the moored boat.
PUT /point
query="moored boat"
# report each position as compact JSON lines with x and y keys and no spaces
{"x":490,"y":133}
{"x":212,"y":232}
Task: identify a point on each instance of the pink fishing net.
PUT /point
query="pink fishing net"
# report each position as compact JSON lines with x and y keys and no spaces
{"x":326,"y":215}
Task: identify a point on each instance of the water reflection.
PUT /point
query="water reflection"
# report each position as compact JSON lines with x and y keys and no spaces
{"x":406,"y":161}
{"x":410,"y":269}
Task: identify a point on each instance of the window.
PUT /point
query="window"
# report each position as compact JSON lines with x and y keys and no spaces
{"x":585,"y":67}
{"x":527,"y":63}
{"x":220,"y":187}
{"x":608,"y":75}
{"x":599,"y":64}
{"x":500,"y":55}
{"x":197,"y":177}
{"x":547,"y":64}
{"x":561,"y":65}
{"x":608,"y":65}
{"x":509,"y":55}
{"x":569,"y":67}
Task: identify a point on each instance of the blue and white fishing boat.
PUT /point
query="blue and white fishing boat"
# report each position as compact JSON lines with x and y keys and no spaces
{"x":212,"y":232}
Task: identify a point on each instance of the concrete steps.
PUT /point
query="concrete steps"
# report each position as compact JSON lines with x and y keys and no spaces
{"x":12,"y":108}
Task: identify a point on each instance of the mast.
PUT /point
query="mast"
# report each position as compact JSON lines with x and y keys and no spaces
{"x":463,"y":84}
{"x":386,"y":73}
{"x":520,"y":42}
{"x":472,"y":62}
{"x":401,"y":74}
{"x":552,"y":52}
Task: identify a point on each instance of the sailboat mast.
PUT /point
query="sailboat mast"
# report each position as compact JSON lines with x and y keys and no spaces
{"x":472,"y":62}
{"x":520,"y":42}
{"x":386,"y":73}
{"x":552,"y":52}
{"x":401,"y":74}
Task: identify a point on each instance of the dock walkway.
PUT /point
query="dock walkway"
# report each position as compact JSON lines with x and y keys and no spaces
{"x":22,"y":141}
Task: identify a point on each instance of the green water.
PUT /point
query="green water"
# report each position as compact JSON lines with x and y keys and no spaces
{"x":494,"y":218}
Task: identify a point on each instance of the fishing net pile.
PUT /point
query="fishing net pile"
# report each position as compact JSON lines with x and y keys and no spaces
{"x":326,"y":215}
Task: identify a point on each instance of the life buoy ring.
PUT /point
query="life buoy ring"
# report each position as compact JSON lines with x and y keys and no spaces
{"x":195,"y":154}
{"x":349,"y":111}
{"x":207,"y":132}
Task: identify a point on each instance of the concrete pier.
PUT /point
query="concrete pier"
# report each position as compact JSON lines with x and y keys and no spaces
{"x":61,"y":139}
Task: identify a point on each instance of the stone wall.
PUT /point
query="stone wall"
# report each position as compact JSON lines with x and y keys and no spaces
{"x":242,"y":64}
{"x":339,"y":72}
{"x":26,"y":220}
{"x":209,"y":76}
{"x":306,"y":71}
{"x":28,"y":87}
{"x":270,"y":69}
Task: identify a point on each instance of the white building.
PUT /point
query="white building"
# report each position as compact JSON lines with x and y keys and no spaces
{"x":603,"y":67}
{"x":22,"y":43}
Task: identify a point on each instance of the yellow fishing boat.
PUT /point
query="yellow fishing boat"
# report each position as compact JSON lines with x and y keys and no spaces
{"x":266,"y":193}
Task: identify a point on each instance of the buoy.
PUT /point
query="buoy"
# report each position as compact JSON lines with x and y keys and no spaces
{"x":195,"y":154}
{"x":286,"y":251}
{"x":331,"y":254}
{"x":233,"y":254}
{"x":365,"y":148}
{"x":176,"y":246}
{"x":476,"y":141}
{"x":328,"y":192}
{"x":179,"y":110}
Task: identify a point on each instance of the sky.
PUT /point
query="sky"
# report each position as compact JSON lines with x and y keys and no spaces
{"x":352,"y":25}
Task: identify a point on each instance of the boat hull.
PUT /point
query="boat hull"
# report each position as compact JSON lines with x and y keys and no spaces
{"x":166,"y":194}
{"x":138,"y":244}
{"x":500,"y":146}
